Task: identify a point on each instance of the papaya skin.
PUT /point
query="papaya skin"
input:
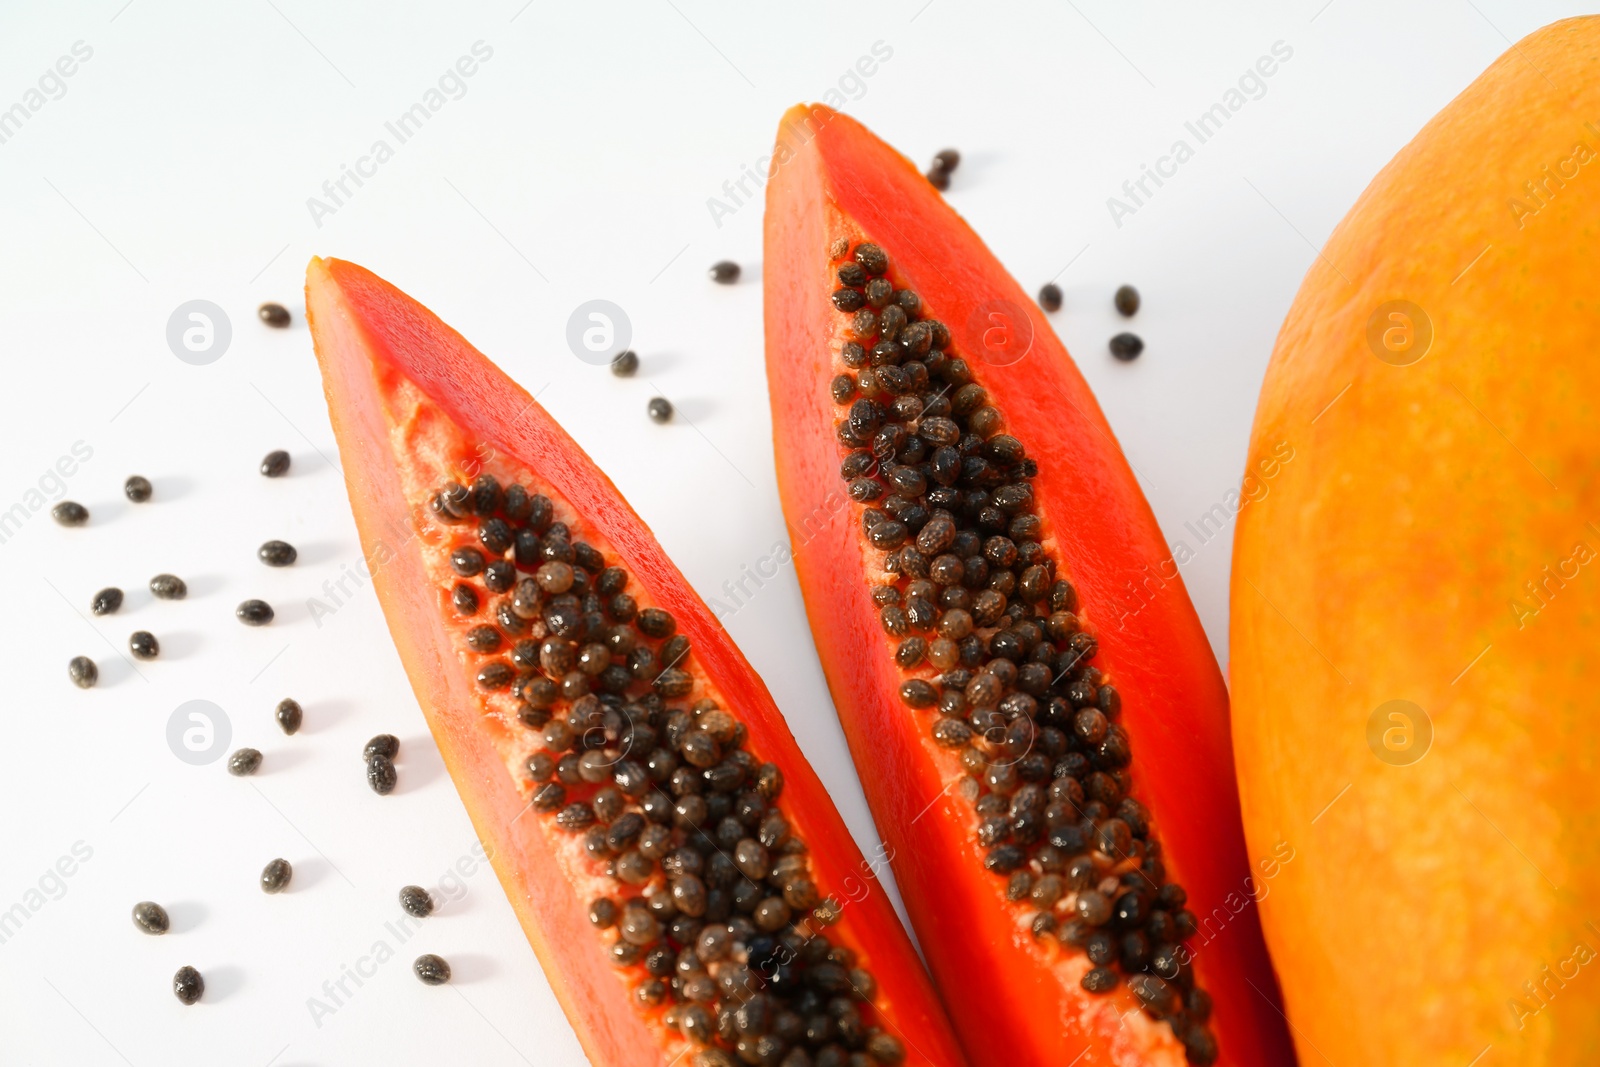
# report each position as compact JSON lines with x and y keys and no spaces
{"x":379,"y":350}
{"x":1436,"y":540}
{"x":1012,"y":999}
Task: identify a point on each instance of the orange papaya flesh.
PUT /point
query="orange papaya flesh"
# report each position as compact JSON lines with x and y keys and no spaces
{"x":1415,"y":615}
{"x":1001,"y":624}
{"x":608,"y":739}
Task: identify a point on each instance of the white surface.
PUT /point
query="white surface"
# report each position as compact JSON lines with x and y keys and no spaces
{"x":177,"y":165}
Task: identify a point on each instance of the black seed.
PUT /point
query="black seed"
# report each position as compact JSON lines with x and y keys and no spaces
{"x":872,"y":258}
{"x":151,"y":917}
{"x":939,"y":179}
{"x":465,"y":599}
{"x":603,"y":912}
{"x":137,"y":488}
{"x":275,"y":876}
{"x":864,"y":323}
{"x":656,"y":623}
{"x":244,"y":761}
{"x":659,"y":409}
{"x":888,"y":535}
{"x":467,"y":561}
{"x":277,"y":553}
{"x":517,"y":505}
{"x":416,"y":901}
{"x":275,"y":464}
{"x":431,"y":969}
{"x":1126,"y":346}
{"x":187,"y":985}
{"x":848,"y":300}
{"x":83,"y":672}
{"x":725,"y":272}
{"x":274,"y":315}
{"x":483,"y":639}
{"x":917,"y":693}
{"x":289,"y":715}
{"x":673,"y":683}
{"x":911,"y":652}
{"x":70,"y":513}
{"x":1090,"y":725}
{"x":106,"y":601}
{"x":496,"y":536}
{"x":385,"y":745}
{"x":674,"y":650}
{"x":878,"y":292}
{"x":254,"y":612}
{"x":168,"y":587}
{"x":1005,"y":859}
{"x":1113,"y":753}
{"x":575,"y":817}
{"x":1127,"y":300}
{"x":143,"y":645}
{"x":1131,"y":909}
{"x":500,"y":576}
{"x":1100,"y":980}
{"x":549,"y":797}
{"x":487,"y":496}
{"x":1093,"y":907}
{"x":1050,"y":296}
{"x":947,"y":160}
{"x":1101,"y":948}
{"x":495,"y":675}
{"x":381,"y":775}
{"x":625,"y":364}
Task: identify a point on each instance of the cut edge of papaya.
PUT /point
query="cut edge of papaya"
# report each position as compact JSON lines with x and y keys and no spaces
{"x":832,"y":179}
{"x":368,"y":334}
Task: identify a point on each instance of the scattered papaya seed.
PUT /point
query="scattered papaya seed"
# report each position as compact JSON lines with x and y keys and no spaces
{"x":274,"y":315}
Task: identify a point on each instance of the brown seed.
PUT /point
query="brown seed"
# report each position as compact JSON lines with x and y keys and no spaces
{"x":1127,"y":300}
{"x":872,"y":259}
{"x":772,"y":914}
{"x":626,"y":364}
{"x":274,"y":315}
{"x":1127,"y":346}
{"x":916,"y":693}
{"x":554,"y":577}
{"x":1093,"y":907}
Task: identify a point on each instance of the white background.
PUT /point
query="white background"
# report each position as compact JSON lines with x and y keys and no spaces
{"x":578,"y":164}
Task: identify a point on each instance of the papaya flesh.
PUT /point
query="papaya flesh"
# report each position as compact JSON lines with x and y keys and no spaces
{"x":1415,"y":624}
{"x":677,"y":866}
{"x":956,"y":499}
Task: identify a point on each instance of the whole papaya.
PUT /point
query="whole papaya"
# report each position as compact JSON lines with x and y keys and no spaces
{"x":1416,"y":597}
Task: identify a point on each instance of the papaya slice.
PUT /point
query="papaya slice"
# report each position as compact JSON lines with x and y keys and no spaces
{"x":677,"y":866}
{"x":1039,"y":720}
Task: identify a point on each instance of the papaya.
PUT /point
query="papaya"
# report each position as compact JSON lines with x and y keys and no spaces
{"x":1038,"y":719}
{"x":685,"y":880}
{"x":1415,"y":623}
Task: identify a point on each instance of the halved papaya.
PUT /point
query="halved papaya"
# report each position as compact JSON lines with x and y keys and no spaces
{"x":1038,"y":718}
{"x":684,"y":878}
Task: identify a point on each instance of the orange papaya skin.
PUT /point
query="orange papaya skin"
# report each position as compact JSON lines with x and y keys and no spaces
{"x":832,"y":178}
{"x":371,"y":340}
{"x":1434,"y":543}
